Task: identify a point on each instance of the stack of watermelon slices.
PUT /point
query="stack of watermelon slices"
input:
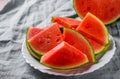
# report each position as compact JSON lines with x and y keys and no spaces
{"x":68,"y":43}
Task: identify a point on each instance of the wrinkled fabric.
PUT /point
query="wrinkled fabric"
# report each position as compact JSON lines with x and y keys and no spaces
{"x":17,"y":15}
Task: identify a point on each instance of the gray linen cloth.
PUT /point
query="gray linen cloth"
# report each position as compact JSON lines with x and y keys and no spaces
{"x":17,"y":15}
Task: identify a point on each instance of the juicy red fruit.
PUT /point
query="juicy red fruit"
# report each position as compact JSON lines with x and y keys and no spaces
{"x":47,"y":39}
{"x":67,"y":22}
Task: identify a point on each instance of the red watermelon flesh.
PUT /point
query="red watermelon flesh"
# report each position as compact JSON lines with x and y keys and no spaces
{"x":68,"y":22}
{"x":93,"y":28}
{"x":46,"y":39}
{"x":32,"y":31}
{"x":64,"y":56}
{"x":106,"y":10}
{"x":77,"y":40}
{"x":111,"y":10}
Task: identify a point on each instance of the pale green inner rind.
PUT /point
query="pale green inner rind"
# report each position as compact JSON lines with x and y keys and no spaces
{"x":100,"y":50}
{"x":64,"y":68}
{"x":85,"y":39}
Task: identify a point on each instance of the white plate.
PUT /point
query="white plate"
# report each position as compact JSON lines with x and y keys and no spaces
{"x":35,"y":64}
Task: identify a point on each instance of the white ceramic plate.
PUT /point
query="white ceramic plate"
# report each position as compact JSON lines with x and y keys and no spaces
{"x":78,"y":71}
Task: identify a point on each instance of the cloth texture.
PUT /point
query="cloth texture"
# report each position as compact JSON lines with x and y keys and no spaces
{"x":17,"y":15}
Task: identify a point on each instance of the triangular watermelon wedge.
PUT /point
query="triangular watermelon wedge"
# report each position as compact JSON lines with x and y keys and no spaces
{"x":46,"y":40}
{"x":77,"y":40}
{"x":68,"y":22}
{"x":94,"y":29}
{"x":64,"y":56}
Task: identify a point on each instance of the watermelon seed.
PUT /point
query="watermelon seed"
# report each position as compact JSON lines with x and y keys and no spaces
{"x":57,"y":40}
{"x":84,"y":10}
{"x":88,"y":8}
{"x":112,"y":9}
{"x":82,"y":2}
{"x":48,"y":42}
{"x":58,"y":34}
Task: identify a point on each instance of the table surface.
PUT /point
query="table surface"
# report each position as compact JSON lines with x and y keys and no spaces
{"x":17,"y":15}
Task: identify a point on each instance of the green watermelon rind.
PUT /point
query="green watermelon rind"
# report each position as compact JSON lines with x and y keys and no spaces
{"x":36,"y":56}
{"x":86,"y":40}
{"x":76,"y":10}
{"x":54,"y":67}
{"x":101,"y":54}
{"x":114,"y":20}
{"x":104,"y":48}
{"x":110,"y":22}
{"x":37,"y":52}
{"x":33,"y":53}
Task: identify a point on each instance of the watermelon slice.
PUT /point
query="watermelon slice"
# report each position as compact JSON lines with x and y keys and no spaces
{"x":31,"y":32}
{"x":46,"y":39}
{"x":92,"y":28}
{"x":64,"y":56}
{"x":106,"y":10}
{"x":77,"y":40}
{"x":68,"y":22}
